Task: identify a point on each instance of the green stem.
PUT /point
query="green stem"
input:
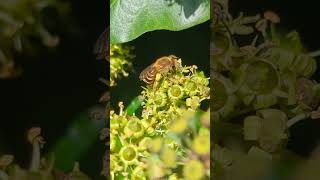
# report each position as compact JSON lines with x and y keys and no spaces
{"x":35,"y":161}
{"x":3,"y":58}
{"x":264,"y":34}
{"x":3,"y":175}
{"x":51,"y":160}
{"x":273,"y":32}
{"x":76,"y":167}
{"x":7,"y":18}
{"x":297,"y":118}
{"x":254,"y":41}
{"x":315,"y":53}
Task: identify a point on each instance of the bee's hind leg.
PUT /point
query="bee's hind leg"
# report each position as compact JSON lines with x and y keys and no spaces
{"x":155,"y":83}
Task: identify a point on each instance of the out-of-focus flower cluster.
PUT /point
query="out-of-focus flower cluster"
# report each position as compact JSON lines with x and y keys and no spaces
{"x":40,"y":168}
{"x":264,"y":85}
{"x":120,"y":62}
{"x":21,"y":22}
{"x":106,"y":158}
{"x":184,"y":152}
{"x":169,"y":139}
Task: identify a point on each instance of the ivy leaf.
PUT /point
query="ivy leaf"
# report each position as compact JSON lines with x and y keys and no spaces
{"x":134,"y":105}
{"x":132,"y":18}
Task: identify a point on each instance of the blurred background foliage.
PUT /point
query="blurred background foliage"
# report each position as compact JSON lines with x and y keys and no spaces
{"x":257,"y":126}
{"x":56,"y":85}
{"x":24,"y":28}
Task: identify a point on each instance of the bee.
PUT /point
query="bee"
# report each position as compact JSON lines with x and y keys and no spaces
{"x":162,"y":66}
{"x":101,"y":48}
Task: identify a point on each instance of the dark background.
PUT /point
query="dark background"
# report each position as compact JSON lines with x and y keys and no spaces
{"x":302,"y":16}
{"x":56,"y":85}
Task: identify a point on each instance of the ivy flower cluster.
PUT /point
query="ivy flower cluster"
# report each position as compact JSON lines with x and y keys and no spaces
{"x":169,"y":107}
{"x":21,"y":21}
{"x":39,"y":168}
{"x":266,"y":84}
{"x":184,"y":152}
{"x":165,"y":101}
{"x":120,"y":62}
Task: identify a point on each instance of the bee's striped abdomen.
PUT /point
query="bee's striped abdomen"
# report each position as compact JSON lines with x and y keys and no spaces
{"x":148,"y":75}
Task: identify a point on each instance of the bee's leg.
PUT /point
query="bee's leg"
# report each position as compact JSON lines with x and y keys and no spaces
{"x":154,"y":86}
{"x":158,"y":77}
{"x":155,"y":83}
{"x":193,"y":69}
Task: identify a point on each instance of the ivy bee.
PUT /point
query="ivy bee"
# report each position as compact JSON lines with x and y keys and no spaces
{"x":161,"y":66}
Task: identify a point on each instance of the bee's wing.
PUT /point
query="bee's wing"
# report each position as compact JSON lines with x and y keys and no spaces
{"x":148,"y":74}
{"x":101,"y":48}
{"x":146,"y":71}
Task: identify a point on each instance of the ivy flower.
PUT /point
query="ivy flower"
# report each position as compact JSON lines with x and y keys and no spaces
{"x":193,"y":170}
{"x":120,"y":62}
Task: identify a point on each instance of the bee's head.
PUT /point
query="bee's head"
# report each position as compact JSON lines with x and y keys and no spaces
{"x":176,"y":61}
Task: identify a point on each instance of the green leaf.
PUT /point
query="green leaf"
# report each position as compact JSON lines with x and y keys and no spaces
{"x":134,"y":105}
{"x":132,"y":18}
{"x":81,"y":135}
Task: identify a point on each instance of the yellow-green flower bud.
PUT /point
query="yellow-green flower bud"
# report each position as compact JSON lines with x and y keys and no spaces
{"x":129,"y":154}
{"x":114,"y":124}
{"x":168,"y":157}
{"x":175,"y":92}
{"x":178,"y":125}
{"x":138,"y":174}
{"x":173,"y":177}
{"x":112,"y":142}
{"x":160,"y":99}
{"x":155,"y":169}
{"x":193,"y":170}
{"x":134,"y":128}
{"x":150,"y":130}
{"x":199,"y":78}
{"x":144,"y":143}
{"x":191,"y":88}
{"x":193,"y":102}
{"x":145,"y":123}
{"x":156,"y":145}
{"x":201,"y":144}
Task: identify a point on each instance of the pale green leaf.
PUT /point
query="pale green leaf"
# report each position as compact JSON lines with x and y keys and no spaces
{"x":132,"y":18}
